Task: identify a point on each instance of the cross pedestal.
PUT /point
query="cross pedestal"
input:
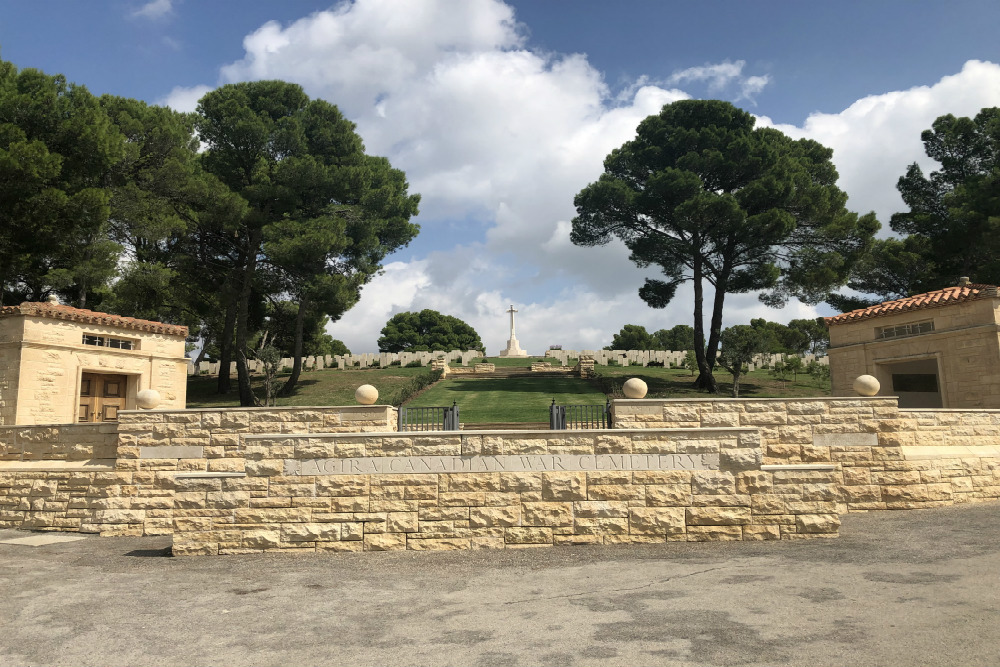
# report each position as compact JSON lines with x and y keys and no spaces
{"x":513,"y":349}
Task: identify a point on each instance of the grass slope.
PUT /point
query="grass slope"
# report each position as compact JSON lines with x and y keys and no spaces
{"x":676,"y":383}
{"x":517,"y":399}
{"x":325,"y":387}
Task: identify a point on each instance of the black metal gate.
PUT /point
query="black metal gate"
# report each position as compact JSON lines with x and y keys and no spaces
{"x":563,"y":417}
{"x":428,"y":419}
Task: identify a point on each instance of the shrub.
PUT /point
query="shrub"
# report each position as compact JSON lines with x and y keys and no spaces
{"x":410,"y":388}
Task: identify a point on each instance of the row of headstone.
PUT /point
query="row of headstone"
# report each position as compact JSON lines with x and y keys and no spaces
{"x":666,"y":357}
{"x":424,"y":358}
{"x":382,"y":359}
{"x":621,"y":357}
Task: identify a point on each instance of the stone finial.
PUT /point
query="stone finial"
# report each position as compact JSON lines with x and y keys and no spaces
{"x":963,"y":281}
{"x":147,"y":399}
{"x":634,"y":388}
{"x":53,"y":299}
{"x":366,"y":394}
{"x":866,"y":385}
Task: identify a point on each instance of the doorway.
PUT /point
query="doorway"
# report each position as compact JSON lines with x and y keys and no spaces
{"x":101,"y":397}
{"x":916,"y":383}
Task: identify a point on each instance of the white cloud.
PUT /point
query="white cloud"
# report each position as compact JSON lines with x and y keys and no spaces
{"x":721,"y":76}
{"x":877,"y":137}
{"x":498,"y":139}
{"x":718,"y":75}
{"x":155,"y":9}
{"x":183,"y":99}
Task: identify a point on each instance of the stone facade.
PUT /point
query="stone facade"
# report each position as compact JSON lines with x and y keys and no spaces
{"x":43,"y":359}
{"x":237,"y":480}
{"x":882,"y":457}
{"x":939,"y":349}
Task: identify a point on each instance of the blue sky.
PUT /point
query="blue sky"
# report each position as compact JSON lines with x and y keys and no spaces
{"x":501,"y":112}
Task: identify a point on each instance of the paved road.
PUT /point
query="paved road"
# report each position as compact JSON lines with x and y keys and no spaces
{"x":898,"y":588}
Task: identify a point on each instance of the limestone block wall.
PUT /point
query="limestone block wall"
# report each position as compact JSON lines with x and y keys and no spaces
{"x":499,"y":489}
{"x":71,"y":442}
{"x":335,"y":478}
{"x":885,"y":458}
{"x":99,"y":479}
{"x":54,"y":477}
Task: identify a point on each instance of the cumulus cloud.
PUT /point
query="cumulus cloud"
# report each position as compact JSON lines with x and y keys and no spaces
{"x":723,"y":76}
{"x":498,"y":138}
{"x":156,"y":9}
{"x":183,"y":98}
{"x":877,"y":137}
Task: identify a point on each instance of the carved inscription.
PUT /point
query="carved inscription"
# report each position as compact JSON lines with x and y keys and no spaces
{"x":409,"y":465}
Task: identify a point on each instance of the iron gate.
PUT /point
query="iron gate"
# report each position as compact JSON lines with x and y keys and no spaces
{"x":428,"y":419}
{"x":563,"y":417}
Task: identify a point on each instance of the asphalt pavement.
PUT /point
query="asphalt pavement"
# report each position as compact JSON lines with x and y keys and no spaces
{"x":897,"y":588}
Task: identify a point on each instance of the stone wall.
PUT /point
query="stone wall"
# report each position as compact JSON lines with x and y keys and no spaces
{"x":318,"y":493}
{"x":121,"y":481}
{"x":885,"y":458}
{"x":230,"y":480}
{"x":56,"y":477}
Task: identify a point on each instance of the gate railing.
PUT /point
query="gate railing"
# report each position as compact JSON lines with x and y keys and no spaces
{"x":563,"y":417}
{"x":428,"y":419}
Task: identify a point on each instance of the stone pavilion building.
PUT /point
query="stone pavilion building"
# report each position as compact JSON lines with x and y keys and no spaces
{"x":60,"y":365}
{"x":935,"y":350}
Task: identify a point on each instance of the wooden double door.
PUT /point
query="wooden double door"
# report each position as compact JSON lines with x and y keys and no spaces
{"x":101,"y":397}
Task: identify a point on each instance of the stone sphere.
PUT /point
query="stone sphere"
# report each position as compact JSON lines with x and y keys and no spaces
{"x":634,"y":388}
{"x":147,"y":399}
{"x":866,"y":385}
{"x":366,"y":394}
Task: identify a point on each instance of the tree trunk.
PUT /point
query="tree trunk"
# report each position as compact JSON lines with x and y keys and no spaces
{"x":705,"y":379}
{"x":226,"y":348}
{"x":736,"y":383}
{"x":300,"y":318}
{"x":247,"y":398}
{"x":715,"y":333}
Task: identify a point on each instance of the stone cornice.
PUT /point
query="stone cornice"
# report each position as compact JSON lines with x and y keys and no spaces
{"x":60,"y":312}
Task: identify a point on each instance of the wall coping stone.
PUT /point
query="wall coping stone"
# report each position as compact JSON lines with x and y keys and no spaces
{"x":208,"y":475}
{"x":546,"y":432}
{"x":626,"y":401}
{"x":925,"y":452}
{"x":958,"y":410}
{"x":284,"y":408}
{"x":799,"y":466}
{"x":90,"y":465}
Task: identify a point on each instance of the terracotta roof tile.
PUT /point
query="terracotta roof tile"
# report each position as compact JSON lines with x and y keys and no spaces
{"x":935,"y":299}
{"x":60,"y":312}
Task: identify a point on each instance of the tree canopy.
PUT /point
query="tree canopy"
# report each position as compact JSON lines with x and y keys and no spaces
{"x":951,"y":227}
{"x":635,"y":337}
{"x":261,"y":210}
{"x":740,"y":344}
{"x":427,"y":330}
{"x":321,"y":214}
{"x":57,"y":148}
{"x":706,"y":197}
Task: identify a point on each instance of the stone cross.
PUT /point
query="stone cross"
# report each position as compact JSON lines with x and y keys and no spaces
{"x":511,"y":311}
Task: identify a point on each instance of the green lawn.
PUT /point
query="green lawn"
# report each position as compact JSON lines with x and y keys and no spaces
{"x":517,"y":399}
{"x":503,"y":399}
{"x":676,"y":383}
{"x":325,"y":387}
